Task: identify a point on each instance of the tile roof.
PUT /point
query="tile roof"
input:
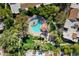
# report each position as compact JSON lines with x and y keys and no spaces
{"x":73,"y":14}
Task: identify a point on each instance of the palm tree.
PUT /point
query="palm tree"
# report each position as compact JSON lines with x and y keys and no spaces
{"x":51,"y":23}
{"x":5,"y":12}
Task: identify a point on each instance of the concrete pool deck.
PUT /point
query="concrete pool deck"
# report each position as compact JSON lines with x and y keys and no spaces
{"x":31,"y":31}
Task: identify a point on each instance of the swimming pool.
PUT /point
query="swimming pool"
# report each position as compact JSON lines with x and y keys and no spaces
{"x":37,"y":27}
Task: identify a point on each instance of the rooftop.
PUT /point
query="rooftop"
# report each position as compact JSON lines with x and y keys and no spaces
{"x":71,"y":32}
{"x":75,"y":5}
{"x":14,"y":7}
{"x":73,"y":14}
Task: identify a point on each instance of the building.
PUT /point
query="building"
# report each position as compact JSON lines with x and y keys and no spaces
{"x":75,"y":5}
{"x":15,"y":7}
{"x":71,"y":32}
{"x":74,"y":12}
{"x":71,"y":27}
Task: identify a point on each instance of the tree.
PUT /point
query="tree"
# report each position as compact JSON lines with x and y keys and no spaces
{"x":58,"y":38}
{"x":15,"y":39}
{"x":47,"y":11}
{"x":21,"y":24}
{"x":10,"y":42}
{"x":75,"y":49}
{"x":61,"y":17}
{"x":5,"y":11}
{"x":56,"y":52}
{"x":9,"y":22}
{"x":47,"y":47}
{"x":44,"y":10}
{"x":52,"y":24}
{"x":21,"y":21}
{"x":11,"y":37}
{"x":66,"y":49}
{"x":29,"y":44}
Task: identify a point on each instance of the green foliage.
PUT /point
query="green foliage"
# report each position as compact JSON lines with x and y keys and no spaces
{"x":60,"y":17}
{"x":33,"y":10}
{"x":52,"y":13}
{"x":44,"y":10}
{"x":52,"y":23}
{"x":2,"y":5}
{"x":30,"y":44}
{"x":58,"y":39}
{"x":56,"y":51}
{"x":48,"y":10}
{"x":9,"y":41}
{"x":21,"y":22}
{"x":5,"y":11}
{"x":8,"y":22}
{"x":66,"y":49}
{"x":47,"y":47}
{"x":23,"y":12}
{"x":13,"y":44}
{"x":75,"y":48}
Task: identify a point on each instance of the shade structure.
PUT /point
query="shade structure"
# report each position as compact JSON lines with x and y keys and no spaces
{"x":44,"y":27}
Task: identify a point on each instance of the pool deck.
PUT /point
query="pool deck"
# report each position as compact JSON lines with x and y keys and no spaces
{"x":31,"y":32}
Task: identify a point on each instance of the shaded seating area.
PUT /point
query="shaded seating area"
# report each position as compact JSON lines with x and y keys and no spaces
{"x":44,"y":30}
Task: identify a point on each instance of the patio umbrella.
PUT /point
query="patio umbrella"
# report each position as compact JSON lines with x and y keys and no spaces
{"x":44,"y":26}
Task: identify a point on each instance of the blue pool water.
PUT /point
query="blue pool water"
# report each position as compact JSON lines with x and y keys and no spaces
{"x":37,"y":27}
